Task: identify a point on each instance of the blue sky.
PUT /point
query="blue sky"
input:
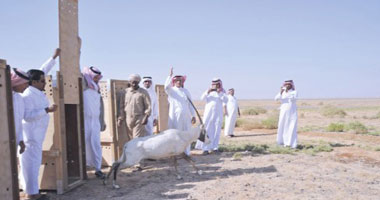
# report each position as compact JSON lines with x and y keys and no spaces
{"x":331,"y":48}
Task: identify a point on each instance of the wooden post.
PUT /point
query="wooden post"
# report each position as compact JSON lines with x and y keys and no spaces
{"x":63,"y":158}
{"x":163,"y":108}
{"x":8,"y":166}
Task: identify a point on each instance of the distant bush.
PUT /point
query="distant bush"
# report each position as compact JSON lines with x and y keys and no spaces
{"x":248,"y":124}
{"x":331,"y":111}
{"x":254,"y":111}
{"x":377,"y":116}
{"x":271,"y":122}
{"x":357,"y":128}
{"x":335,"y":127}
{"x":320,"y":103}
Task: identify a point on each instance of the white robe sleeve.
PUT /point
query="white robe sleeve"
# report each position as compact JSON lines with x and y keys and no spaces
{"x":31,"y":115}
{"x":48,"y":65}
{"x":278,"y":96}
{"x":192,"y":110}
{"x":168,"y":85}
{"x":204,"y":96}
{"x":155,"y":108}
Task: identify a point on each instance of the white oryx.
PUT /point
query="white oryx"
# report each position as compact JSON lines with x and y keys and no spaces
{"x":169,"y":143}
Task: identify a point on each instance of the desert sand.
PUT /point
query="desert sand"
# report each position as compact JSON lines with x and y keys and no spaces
{"x":349,"y":170}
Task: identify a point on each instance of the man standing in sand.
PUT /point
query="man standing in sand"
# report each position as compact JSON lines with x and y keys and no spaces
{"x":231,"y":109}
{"x":35,"y":124}
{"x":287,"y":124}
{"x":152,"y":120}
{"x":215,"y":97}
{"x":137,"y":107}
{"x":181,"y":113}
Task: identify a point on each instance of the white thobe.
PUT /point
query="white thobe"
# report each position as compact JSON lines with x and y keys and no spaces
{"x":154,"y":106}
{"x":18,"y":112}
{"x":213,"y":119}
{"x":232,"y":111}
{"x":180,"y":109}
{"x":35,"y":124}
{"x":287,"y":124}
{"x":91,"y":103}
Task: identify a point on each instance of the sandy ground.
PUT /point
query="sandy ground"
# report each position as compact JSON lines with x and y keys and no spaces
{"x":348,"y":172}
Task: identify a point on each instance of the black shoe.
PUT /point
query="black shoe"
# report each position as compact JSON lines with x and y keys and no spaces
{"x":100,"y":174}
{"x":216,"y":151}
{"x":205,"y":153}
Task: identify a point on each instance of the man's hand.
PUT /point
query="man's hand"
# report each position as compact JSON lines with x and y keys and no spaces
{"x":193,"y":120}
{"x":51,"y":108}
{"x":145,"y":120}
{"x":22,"y":147}
{"x":282,"y":89}
{"x":171,"y":72}
{"x":57,"y":53}
{"x":155,"y":122}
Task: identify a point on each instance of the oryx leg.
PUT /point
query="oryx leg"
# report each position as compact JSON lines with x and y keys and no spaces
{"x":176,"y":167}
{"x":191,"y":161}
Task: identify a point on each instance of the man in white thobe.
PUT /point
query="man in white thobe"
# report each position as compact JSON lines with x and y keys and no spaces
{"x":152,"y":120}
{"x":181,"y":112}
{"x":213,"y":115}
{"x":93,"y":122}
{"x":287,"y":124}
{"x":231,"y":110}
{"x":36,"y":120}
{"x":19,"y":82}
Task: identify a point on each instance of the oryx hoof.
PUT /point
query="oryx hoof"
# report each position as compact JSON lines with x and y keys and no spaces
{"x":179,"y":177}
{"x":115,"y":186}
{"x":200,"y":172}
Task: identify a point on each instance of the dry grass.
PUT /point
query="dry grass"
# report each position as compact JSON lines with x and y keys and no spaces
{"x":254,"y":111}
{"x":331,"y":111}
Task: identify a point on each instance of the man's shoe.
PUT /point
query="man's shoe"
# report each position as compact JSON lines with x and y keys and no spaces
{"x":100,"y":174}
{"x":205,"y":153}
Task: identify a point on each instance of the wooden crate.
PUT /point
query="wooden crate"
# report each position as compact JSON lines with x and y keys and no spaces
{"x":114,"y":137}
{"x":8,"y":166}
{"x":63,"y":158}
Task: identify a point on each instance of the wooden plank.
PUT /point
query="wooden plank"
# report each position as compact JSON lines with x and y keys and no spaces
{"x":60,"y":137}
{"x":8,"y":166}
{"x":70,"y":49}
{"x":121,"y":134}
{"x":82,"y":142}
{"x":163,"y":108}
{"x":114,"y":137}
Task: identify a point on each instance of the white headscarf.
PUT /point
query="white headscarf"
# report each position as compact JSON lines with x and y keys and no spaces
{"x":150,"y":90}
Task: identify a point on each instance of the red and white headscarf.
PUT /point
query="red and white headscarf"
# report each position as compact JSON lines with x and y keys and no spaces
{"x":291,"y":83}
{"x":89,"y":73}
{"x":216,"y":81}
{"x":18,"y":77}
{"x":179,"y":77}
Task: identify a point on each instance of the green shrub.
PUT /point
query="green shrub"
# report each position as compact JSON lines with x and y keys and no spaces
{"x":357,"y":128}
{"x":254,"y":111}
{"x":246,"y":147}
{"x":271,"y":122}
{"x":330,"y":111}
{"x":335,"y":127}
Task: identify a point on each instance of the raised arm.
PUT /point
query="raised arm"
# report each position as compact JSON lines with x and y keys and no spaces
{"x":49,"y":64}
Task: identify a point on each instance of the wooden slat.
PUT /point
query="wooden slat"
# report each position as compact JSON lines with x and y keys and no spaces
{"x":70,"y":49}
{"x":8,"y":166}
{"x":163,"y":108}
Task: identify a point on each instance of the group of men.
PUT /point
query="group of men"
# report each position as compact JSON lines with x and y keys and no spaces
{"x":138,"y":113}
{"x":138,"y":109}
